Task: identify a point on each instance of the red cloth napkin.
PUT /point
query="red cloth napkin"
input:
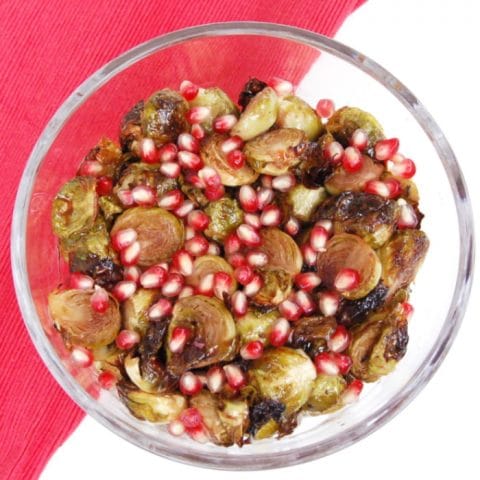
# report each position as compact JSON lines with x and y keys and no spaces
{"x":48,"y":48}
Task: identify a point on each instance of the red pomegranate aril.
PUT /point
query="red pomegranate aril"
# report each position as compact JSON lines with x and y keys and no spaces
{"x":210,"y":177}
{"x":352,"y":160}
{"x":292,"y":226}
{"x":154,"y":277}
{"x":344,"y":362}
{"x":198,"y":220}
{"x":235,"y":376}
{"x":290,"y":310}
{"x":197,"y":115}
{"x":326,"y":224}
{"x":347,"y":279}
{"x":222,"y":284}
{"x":191,"y":418}
{"x":266,"y":181}
{"x":282,"y":87}
{"x":81,"y":357}
{"x":197,"y":246}
{"x":232,"y":243}
{"x":252,"y":350}
{"x":184,"y":209}
{"x":124,"y":289}
{"x":171,"y":200}
{"x":99,"y":300}
{"x":186,"y":291}
{"x":186,"y":141}
{"x":148,"y":151}
{"x":265,"y":196}
{"x":173,"y":285}
{"x":107,"y":380}
{"x":309,"y":255}
{"x":403,"y":169}
{"x":305,"y":302}
{"x":359,"y":139}
{"x":280,"y":332}
{"x":253,"y":220}
{"x":125,"y":197}
{"x":189,"y":233}
{"x":408,"y":217}
{"x":132,"y":274}
{"x":339,"y":340}
{"x":123,"y":238}
{"x":386,"y":149}
{"x":179,"y":338}
{"x":183,"y":262}
{"x":377,"y":187}
{"x":254,"y":286}
{"x":394,"y":187}
{"x":189,"y":160}
{"x":248,"y":199}
{"x":213,"y":249}
{"x":334,"y":152}
{"x":271,"y":216}
{"x":197,"y":131}
{"x":307,"y":281}
{"x":243,"y":274}
{"x":168,"y":153}
{"x":144,"y":195}
{"x":215,"y":193}
{"x":284,"y":183}
{"x":318,"y":238}
{"x":190,"y":384}
{"x":215,"y":379}
{"x":188,"y":90}
{"x":236,"y":159}
{"x":239,"y":303}
{"x":160,"y":309}
{"x":80,"y":281}
{"x":256,"y":258}
{"x":126,"y":339}
{"x":198,"y":434}
{"x":104,"y":186}
{"x":325,"y":108}
{"x":325,"y":364}
{"x":352,"y":392}
{"x":248,"y":235}
{"x":170,"y":169}
{"x":224,"y":123}
{"x":90,"y":168}
{"x":328,"y":303}
{"x":231,"y":144}
{"x":176,"y":428}
{"x":205,"y":287}
{"x":407,"y":309}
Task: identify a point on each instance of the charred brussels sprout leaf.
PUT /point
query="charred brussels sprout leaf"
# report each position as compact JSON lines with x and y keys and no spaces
{"x":293,"y":112}
{"x":314,"y":168}
{"x":256,"y":325}
{"x":103,"y":270}
{"x":110,"y":207}
{"x":265,"y":417}
{"x":250,"y":89}
{"x":210,"y":264}
{"x":108,"y":154}
{"x":78,"y":323}
{"x":225,"y":216}
{"x":326,"y":393}
{"x":301,"y":202}
{"x":135,"y":309}
{"x":132,"y":369}
{"x":131,"y":129}
{"x":312,"y":333}
{"x":277,"y":286}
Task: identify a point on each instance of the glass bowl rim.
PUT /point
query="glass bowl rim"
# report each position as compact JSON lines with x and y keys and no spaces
{"x":301,"y":453}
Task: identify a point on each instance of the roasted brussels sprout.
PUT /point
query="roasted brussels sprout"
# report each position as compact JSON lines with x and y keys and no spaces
{"x":213,"y":156}
{"x":301,"y":202}
{"x":225,"y":216}
{"x":250,"y":89}
{"x":131,"y":129}
{"x":350,"y":251}
{"x":256,"y":325}
{"x":110,"y":207}
{"x":259,"y":115}
{"x":135,"y":309}
{"x":285,"y":375}
{"x":326,"y":393}
{"x":213,"y":336}
{"x":78,"y":323}
{"x":74,"y":208}
{"x":265,"y":418}
{"x":293,"y":112}
{"x":274,"y":152}
{"x":160,"y":233}
{"x":277,"y":286}
{"x":226,"y":420}
{"x":369,"y":216}
{"x":164,"y":116}
{"x":107,"y":153}
{"x":132,"y":369}
{"x":314,"y":168}
{"x":312,"y":333}
{"x":210,"y":264}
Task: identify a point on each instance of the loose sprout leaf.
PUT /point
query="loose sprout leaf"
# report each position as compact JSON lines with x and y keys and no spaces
{"x":301,"y":202}
{"x":131,"y":129}
{"x":326,"y":393}
{"x":277,"y":286}
{"x":256,"y":325}
{"x":225,"y":216}
{"x":312,"y":333}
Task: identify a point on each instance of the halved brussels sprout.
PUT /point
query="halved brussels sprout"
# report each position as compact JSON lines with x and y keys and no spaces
{"x":225,"y":420}
{"x":164,"y":116}
{"x":369,"y":216}
{"x":282,"y":251}
{"x":108,"y":154}
{"x":202,"y":266}
{"x":314,"y":168}
{"x":213,"y":156}
{"x":311,"y":334}
{"x":265,"y":418}
{"x":401,"y":258}
{"x":131,"y":129}
{"x":74,"y":208}
{"x":135,"y":309}
{"x":259,"y":115}
{"x":277,"y":286}
{"x":285,"y":375}
{"x":326,"y":393}
{"x":109,"y":206}
{"x":274,"y":152}
{"x":225,"y":216}
{"x":256,"y":325}
{"x":79,"y":324}
{"x":213,"y":333}
{"x":132,"y":369}
{"x":349,"y":251}
{"x":301,"y":202}
{"x":293,"y":112}
{"x":160,"y":233}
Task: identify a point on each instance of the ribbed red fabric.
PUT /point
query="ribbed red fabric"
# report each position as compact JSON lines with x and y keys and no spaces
{"x":48,"y":48}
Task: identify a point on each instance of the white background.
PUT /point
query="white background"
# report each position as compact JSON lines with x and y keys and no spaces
{"x":432,"y":47}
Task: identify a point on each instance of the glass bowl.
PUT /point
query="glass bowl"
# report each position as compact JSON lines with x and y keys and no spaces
{"x":226,"y":55}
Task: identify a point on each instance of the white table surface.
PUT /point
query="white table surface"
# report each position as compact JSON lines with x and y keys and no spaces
{"x":431,"y":46}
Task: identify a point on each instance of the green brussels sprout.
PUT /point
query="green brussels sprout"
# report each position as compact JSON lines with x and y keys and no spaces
{"x":74,"y":208}
{"x":213,"y":156}
{"x":275,"y":152}
{"x":107,"y":153}
{"x":285,"y":375}
{"x":213,"y":339}
{"x":368,"y":216}
{"x":346,"y":120}
{"x":226,"y":420}
{"x":326,"y":393}
{"x":135,"y":309}
{"x":110,"y":207}
{"x":277,"y":286}
{"x":78,"y":323}
{"x":202,"y":266}
{"x":349,"y":251}
{"x":225,"y":216}
{"x":259,"y":115}
{"x":293,"y":112}
{"x":131,"y":129}
{"x":164,"y":116}
{"x":160,"y":233}
{"x":301,"y":202}
{"x":256,"y":325}
{"x":311,"y":334}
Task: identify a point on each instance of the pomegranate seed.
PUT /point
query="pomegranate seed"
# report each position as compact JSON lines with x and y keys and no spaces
{"x":257,"y":259}
{"x":186,"y":291}
{"x":144,"y":195}
{"x":189,"y":233}
{"x":189,"y":160}
{"x":266,"y":181}
{"x":215,"y":379}
{"x":254,"y":286}
{"x":386,"y":149}
{"x":123,"y":238}
{"x":222,"y":284}
{"x":210,"y":177}
{"x":352,"y":392}
{"x":99,"y":300}
{"x":205,"y":287}
{"x":215,"y":193}
{"x":237,"y":260}
{"x":318,"y":238}
{"x":282,"y":87}
{"x":126,"y":339}
{"x":168,"y":153}
{"x":193,"y":178}
{"x":344,"y":362}
{"x":197,"y":246}
{"x":197,"y":115}
{"x":224,"y":123}
{"x":280,"y":332}
{"x":377,"y":187}
{"x":107,"y":380}
{"x":243,"y":274}
{"x":264,"y":197}
{"x":407,"y":309}
{"x":173,"y":285}
{"x":253,"y":220}
{"x":339,"y":340}
{"x":123,"y":290}
{"x":90,"y":168}
{"x":326,"y":224}
{"x":236,"y":159}
{"x":271,"y":216}
{"x":394,"y":187}
{"x":199,"y":434}
{"x":347,"y":279}
{"x":328,"y":303}
{"x":81,"y":357}
{"x":305,"y":302}
{"x":170,"y":169}
{"x":292,"y":226}
{"x":333,"y":152}
{"x":235,"y":376}
{"x":188,"y":90}
{"x":104,"y":186}
{"x":325,"y":108}
{"x":248,"y":199}
{"x":213,"y":249}
{"x":125,"y":197}
{"x":232,"y":243}
{"x":184,"y":209}
{"x":132,"y":274}
{"x":190,"y":384}
{"x":325,"y":364}
{"x":352,"y":160}
{"x":148,"y":151}
{"x":198,"y":220}
{"x":176,"y":428}
{"x":283,"y":183}
{"x":188,"y":142}
{"x":408,"y":217}
{"x":154,"y":277}
{"x":309,"y":255}
{"x":307,"y":281}
{"x":248,"y":235}
{"x":239,"y":303}
{"x":161,"y":309}
{"x":80,"y":281}
{"x":179,"y":338}
{"x":403,"y":169}
{"x":290,"y":310}
{"x":171,"y":200}
{"x":183,"y":262}
{"x":359,"y":139}
{"x":197,"y":131}
{"x":231,"y":144}
{"x":191,"y":418}
{"x":252,"y":350}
